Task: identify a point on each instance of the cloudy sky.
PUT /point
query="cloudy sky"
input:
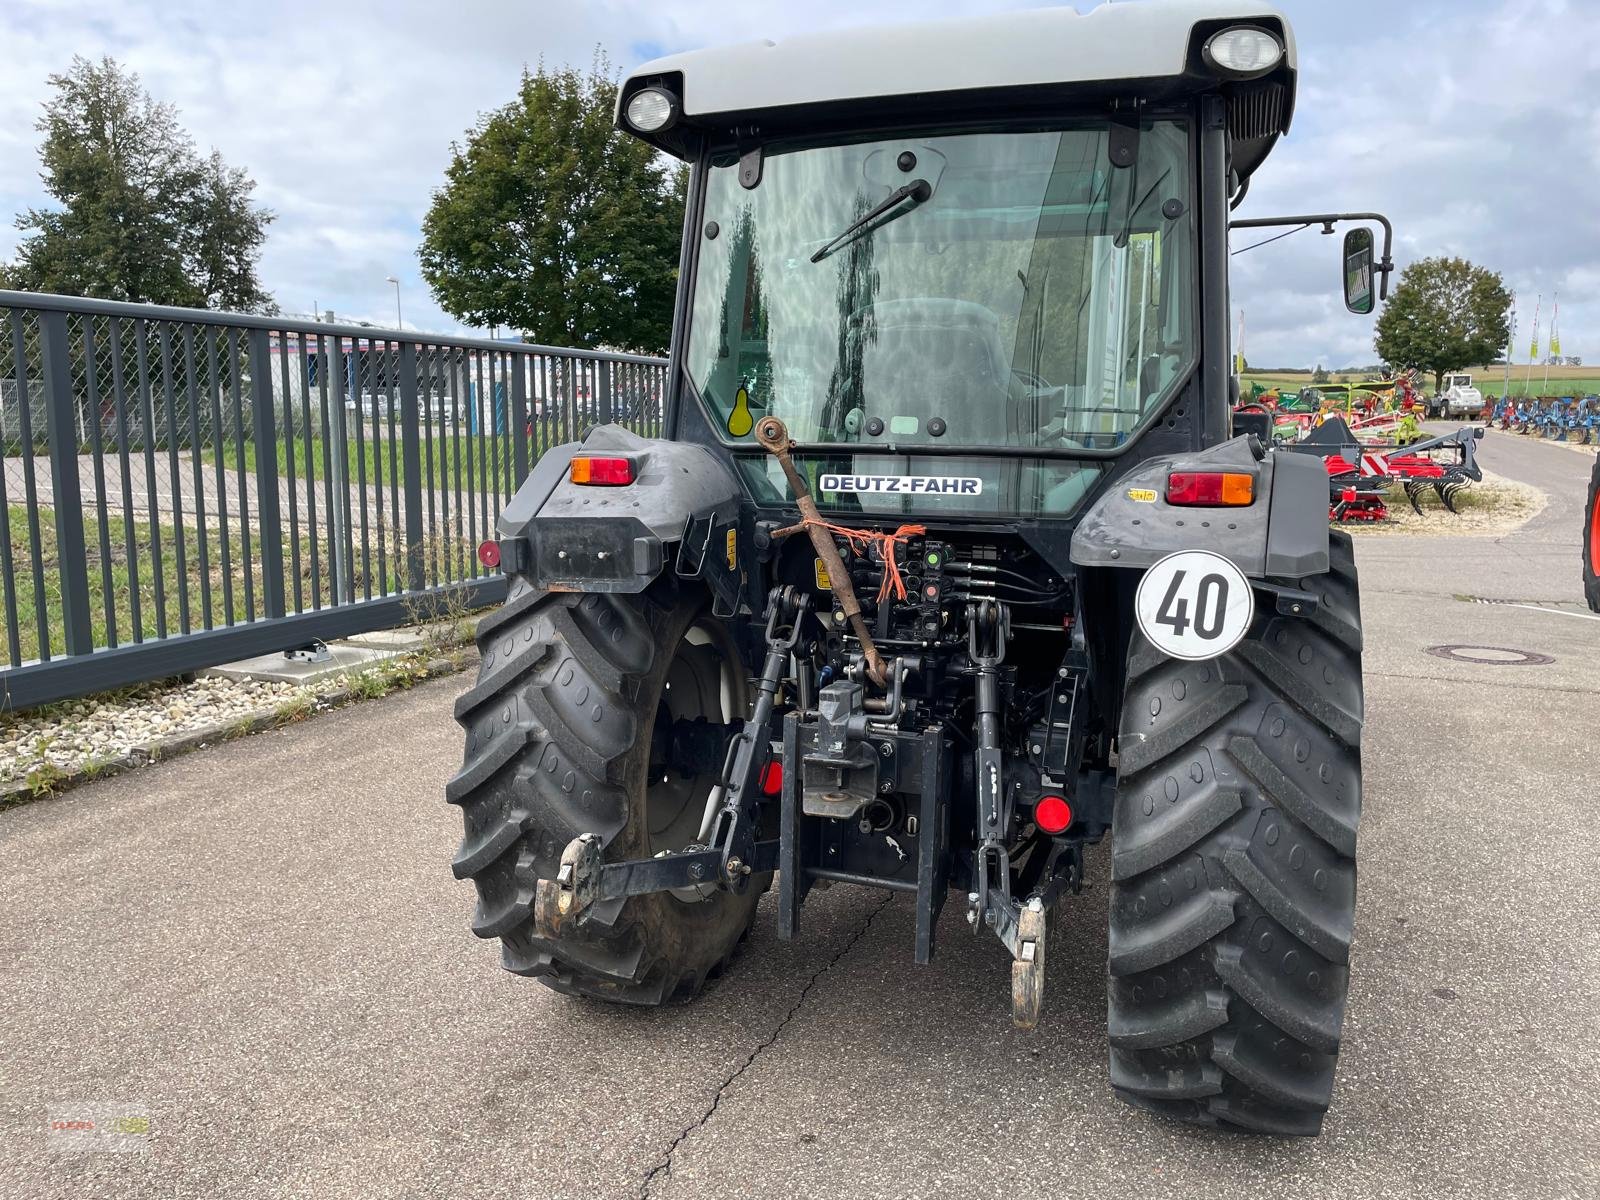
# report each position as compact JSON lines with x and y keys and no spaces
{"x":1475,"y":124}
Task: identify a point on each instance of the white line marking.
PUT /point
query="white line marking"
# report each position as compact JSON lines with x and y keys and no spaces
{"x":1560,"y":612}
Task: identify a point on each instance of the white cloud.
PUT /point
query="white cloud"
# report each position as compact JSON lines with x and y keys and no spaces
{"x":344,"y":114}
{"x":1473,"y":127}
{"x":1476,"y":126}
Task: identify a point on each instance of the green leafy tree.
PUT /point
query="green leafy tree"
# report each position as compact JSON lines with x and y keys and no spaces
{"x":553,"y":223}
{"x":142,"y":216}
{"x":1445,"y":314}
{"x":1319,"y":375}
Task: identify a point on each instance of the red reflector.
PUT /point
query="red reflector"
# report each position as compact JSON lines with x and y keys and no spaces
{"x":772,"y":778}
{"x":1052,"y":814}
{"x":489,"y":553}
{"x":1210,"y":487}
{"x":605,"y":472}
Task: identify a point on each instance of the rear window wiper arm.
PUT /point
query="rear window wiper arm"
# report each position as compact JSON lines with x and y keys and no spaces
{"x":917,"y":191}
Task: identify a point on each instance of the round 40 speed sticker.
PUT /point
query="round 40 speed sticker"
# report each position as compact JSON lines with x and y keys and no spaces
{"x":1194,"y":605}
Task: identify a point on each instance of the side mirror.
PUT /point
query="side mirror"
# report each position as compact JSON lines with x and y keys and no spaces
{"x":1358,"y":296}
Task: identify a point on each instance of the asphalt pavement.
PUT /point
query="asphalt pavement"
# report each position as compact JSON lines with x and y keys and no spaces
{"x":260,"y":950}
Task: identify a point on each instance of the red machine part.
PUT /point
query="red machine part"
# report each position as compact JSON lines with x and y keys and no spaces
{"x":1358,"y":506}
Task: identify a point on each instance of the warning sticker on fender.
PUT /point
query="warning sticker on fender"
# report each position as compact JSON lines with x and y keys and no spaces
{"x":905,"y":485}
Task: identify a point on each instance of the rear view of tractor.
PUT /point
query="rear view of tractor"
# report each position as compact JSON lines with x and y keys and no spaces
{"x":950,"y":563}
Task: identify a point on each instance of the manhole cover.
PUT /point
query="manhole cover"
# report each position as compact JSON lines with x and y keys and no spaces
{"x":1491,"y":656}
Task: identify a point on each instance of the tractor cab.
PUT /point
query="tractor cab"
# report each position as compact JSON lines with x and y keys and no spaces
{"x":970,"y":250}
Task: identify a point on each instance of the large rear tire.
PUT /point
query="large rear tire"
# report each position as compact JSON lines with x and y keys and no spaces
{"x":1233,"y":868}
{"x":561,"y":739}
{"x":1591,"y":541}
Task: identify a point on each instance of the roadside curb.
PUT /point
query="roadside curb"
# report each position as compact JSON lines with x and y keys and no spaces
{"x":19,"y":792}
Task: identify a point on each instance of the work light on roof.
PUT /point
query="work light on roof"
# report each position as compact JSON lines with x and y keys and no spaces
{"x":651,"y":109}
{"x":1243,"y":52}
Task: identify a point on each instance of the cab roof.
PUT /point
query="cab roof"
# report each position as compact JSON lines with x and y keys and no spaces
{"x":885,"y":74}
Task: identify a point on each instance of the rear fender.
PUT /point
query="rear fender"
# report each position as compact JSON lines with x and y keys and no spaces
{"x":1282,"y":534}
{"x":565,"y":536}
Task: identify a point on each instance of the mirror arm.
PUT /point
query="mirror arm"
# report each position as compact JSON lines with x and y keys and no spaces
{"x":1328,"y":220}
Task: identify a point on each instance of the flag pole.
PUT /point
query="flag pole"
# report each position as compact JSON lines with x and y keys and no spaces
{"x":1533,"y":348}
{"x":1511,"y":340}
{"x":1555,"y":339}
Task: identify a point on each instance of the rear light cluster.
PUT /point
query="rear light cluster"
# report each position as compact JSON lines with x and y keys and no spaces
{"x":601,"y":472}
{"x":1052,"y":814}
{"x":1213,"y":489}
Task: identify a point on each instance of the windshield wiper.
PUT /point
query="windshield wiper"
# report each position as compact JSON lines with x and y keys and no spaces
{"x":917,"y":191}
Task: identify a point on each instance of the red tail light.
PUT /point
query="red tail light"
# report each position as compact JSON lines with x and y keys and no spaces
{"x":489,"y":554}
{"x":772,"y":778}
{"x":1210,"y":488}
{"x":602,"y":472}
{"x":1052,"y":814}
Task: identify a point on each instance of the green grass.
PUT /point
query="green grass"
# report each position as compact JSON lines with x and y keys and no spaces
{"x":451,"y":461}
{"x":137,"y":550}
{"x":1569,"y":385}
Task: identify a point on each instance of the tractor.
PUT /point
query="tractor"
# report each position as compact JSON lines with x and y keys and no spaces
{"x":950,"y":562}
{"x":1591,"y":540}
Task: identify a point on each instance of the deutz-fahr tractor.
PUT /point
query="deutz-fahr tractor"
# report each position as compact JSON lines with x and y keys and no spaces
{"x":950,"y":562}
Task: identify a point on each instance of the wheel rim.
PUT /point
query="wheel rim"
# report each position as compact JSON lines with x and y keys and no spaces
{"x":704,"y":680}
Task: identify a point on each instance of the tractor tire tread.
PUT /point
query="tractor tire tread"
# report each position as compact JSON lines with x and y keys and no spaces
{"x":1591,"y":541}
{"x":553,"y":750}
{"x":1233,"y":869}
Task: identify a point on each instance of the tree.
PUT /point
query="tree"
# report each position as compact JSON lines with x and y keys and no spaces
{"x":143,"y":217}
{"x":1445,"y":314}
{"x":1319,"y":375}
{"x":553,"y":223}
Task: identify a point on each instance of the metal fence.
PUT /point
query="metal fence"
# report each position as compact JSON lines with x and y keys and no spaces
{"x":182,"y":488}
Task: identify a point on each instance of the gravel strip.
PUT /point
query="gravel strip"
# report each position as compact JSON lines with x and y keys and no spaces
{"x":1491,"y":508}
{"x":69,"y":735}
{"x":49,"y":749}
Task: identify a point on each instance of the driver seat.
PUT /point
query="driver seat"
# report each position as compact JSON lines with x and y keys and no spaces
{"x":933,"y":357}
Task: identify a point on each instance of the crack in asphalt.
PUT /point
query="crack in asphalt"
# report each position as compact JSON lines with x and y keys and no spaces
{"x":664,"y":1167}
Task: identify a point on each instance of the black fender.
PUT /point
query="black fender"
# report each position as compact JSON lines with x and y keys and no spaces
{"x":564,"y":536}
{"x":1283,"y":533}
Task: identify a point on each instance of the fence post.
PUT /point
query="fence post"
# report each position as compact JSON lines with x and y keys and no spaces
{"x":603,"y":386}
{"x":61,"y":430}
{"x":264,"y":434}
{"x":341,"y":585}
{"x":411,"y":451}
{"x":519,"y":419}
